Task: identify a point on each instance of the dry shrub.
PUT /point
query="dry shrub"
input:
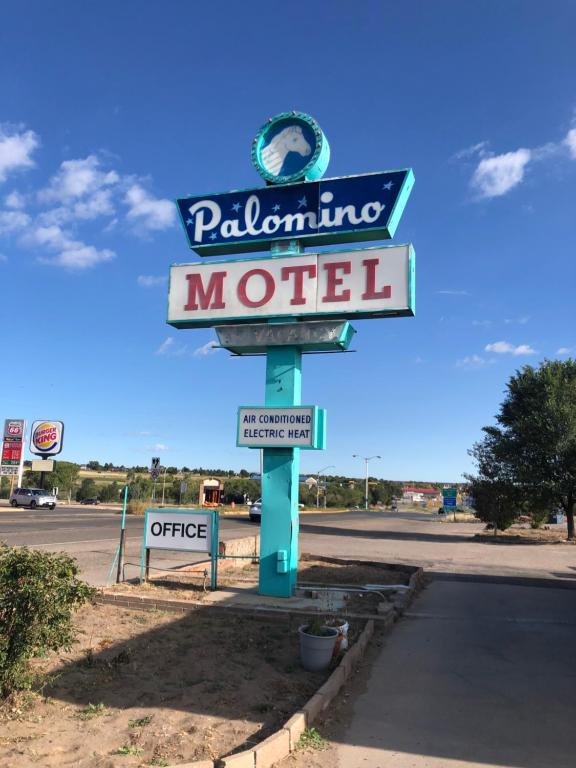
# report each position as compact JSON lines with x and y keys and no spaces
{"x":136,"y":507}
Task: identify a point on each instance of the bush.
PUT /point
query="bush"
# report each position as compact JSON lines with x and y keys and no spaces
{"x":39,"y":591}
{"x":136,"y":507}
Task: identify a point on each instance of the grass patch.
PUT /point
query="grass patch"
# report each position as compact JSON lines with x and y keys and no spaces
{"x":129,"y":749}
{"x":92,"y":711}
{"x":140,"y":722}
{"x":311,"y":739}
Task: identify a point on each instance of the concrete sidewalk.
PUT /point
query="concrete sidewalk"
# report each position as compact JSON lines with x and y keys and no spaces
{"x":474,"y":675}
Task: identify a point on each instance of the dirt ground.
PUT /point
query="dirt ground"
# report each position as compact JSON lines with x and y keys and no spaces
{"x":524,"y":535}
{"x":312,"y":570}
{"x":149,"y":688}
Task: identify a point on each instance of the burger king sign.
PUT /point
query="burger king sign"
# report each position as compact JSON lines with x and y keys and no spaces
{"x":46,"y":438}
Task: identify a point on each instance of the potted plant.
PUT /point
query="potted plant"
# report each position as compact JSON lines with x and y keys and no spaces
{"x":342,"y":640}
{"x":317,"y":643}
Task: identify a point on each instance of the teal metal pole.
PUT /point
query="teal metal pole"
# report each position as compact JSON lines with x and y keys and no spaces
{"x":122,"y":545}
{"x":280,"y":473}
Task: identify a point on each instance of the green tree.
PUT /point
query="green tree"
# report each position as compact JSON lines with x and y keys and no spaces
{"x":4,"y":487}
{"x":64,"y":477}
{"x":111,"y":492}
{"x":87,"y":490}
{"x":533,"y":446}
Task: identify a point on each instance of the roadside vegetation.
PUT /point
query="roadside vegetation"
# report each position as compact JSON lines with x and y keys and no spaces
{"x":526,"y":464}
{"x":106,"y":483}
{"x":39,"y":593}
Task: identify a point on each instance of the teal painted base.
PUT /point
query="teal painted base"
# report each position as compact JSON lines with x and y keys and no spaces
{"x":280,"y":472}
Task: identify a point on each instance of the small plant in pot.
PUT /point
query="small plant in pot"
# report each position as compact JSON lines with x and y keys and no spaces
{"x":317,"y":642}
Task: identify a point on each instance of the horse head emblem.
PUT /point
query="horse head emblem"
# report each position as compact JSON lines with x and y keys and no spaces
{"x":291,"y":139}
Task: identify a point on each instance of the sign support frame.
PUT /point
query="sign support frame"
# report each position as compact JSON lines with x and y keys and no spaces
{"x":279,"y":526}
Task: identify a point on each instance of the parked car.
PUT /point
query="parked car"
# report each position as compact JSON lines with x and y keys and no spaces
{"x":32,"y":497}
{"x":255,"y":511}
{"x":90,"y":501}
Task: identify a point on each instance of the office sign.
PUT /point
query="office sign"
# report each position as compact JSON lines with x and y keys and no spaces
{"x":290,"y":427}
{"x":186,"y":531}
{"x":341,"y":210}
{"x":372,"y":282}
{"x":46,"y":438}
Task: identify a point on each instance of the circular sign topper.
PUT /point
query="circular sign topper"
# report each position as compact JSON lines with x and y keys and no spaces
{"x":290,"y":147}
{"x":46,"y":438}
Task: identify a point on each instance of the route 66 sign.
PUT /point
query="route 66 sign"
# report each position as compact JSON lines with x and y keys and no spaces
{"x":155,"y":468}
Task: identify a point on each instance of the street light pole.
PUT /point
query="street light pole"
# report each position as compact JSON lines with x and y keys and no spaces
{"x":366,"y":460}
{"x":163,"y":486}
{"x":318,"y":476}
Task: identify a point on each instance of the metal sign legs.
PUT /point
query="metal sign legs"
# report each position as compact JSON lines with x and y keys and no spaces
{"x":280,"y":474}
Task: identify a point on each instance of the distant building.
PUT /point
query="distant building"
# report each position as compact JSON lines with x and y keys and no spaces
{"x":409,"y":493}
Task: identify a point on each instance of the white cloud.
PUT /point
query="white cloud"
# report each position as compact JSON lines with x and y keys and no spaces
{"x":152,"y":213}
{"x":517,"y":320}
{"x":78,"y":255}
{"x":473,"y":362}
{"x":449,"y":292}
{"x":82,"y":188}
{"x":482,"y":323}
{"x":156,"y":447}
{"x":14,"y":200}
{"x":476,"y":149}
{"x":167,"y":347}
{"x":73,"y":254}
{"x":77,"y":179}
{"x":151,"y":281}
{"x":98,"y":204}
{"x":13,"y":221}
{"x":16,"y":149}
{"x":207,"y":349}
{"x":505,"y":348}
{"x":564,"y":351}
{"x":570,"y":142}
{"x":497,"y":175}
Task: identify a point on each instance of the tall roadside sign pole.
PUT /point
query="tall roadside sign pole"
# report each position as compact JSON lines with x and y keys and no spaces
{"x":290,"y":301}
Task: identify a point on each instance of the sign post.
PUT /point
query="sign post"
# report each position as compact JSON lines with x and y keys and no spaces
{"x":291,"y":302}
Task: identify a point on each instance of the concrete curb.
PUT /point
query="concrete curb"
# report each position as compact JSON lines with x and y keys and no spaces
{"x":283,"y":742}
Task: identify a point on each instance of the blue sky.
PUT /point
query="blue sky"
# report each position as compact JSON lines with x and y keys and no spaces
{"x":111,"y":110}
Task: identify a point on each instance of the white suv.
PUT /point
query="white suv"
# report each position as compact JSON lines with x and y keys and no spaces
{"x":255,"y":511}
{"x":32,"y":497}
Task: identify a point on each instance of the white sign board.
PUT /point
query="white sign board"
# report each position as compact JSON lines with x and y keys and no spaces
{"x":372,"y":282}
{"x":187,"y":531}
{"x":277,"y":427}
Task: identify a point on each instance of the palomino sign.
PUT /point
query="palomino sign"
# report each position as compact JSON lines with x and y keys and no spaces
{"x":375,"y":282}
{"x":341,"y":210}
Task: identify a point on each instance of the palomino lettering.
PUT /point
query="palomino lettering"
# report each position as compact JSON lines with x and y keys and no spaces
{"x":207,"y":217}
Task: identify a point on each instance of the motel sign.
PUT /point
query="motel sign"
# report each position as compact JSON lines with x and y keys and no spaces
{"x":290,"y":301}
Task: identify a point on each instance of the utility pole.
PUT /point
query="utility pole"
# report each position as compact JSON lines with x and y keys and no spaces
{"x":318,"y":476}
{"x":366,"y":460}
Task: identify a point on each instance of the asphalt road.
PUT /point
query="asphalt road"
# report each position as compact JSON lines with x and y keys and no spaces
{"x":447,"y":549}
{"x":91,"y":534}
